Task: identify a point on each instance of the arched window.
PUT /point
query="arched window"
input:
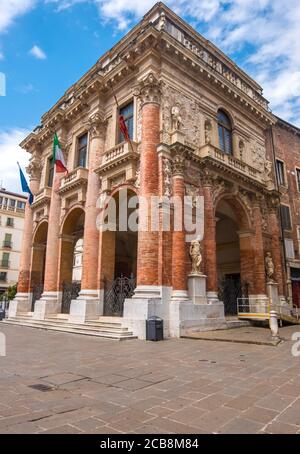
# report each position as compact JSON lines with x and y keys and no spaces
{"x":225,"y":132}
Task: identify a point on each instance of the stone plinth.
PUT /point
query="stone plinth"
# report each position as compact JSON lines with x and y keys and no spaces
{"x":197,"y":288}
{"x":272,"y":291}
{"x":47,"y":306}
{"x":20,"y":304}
{"x":88,"y":306}
{"x":178,"y":136}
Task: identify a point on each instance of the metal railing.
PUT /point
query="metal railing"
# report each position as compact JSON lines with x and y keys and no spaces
{"x":7,"y":244}
{"x":4,"y":264}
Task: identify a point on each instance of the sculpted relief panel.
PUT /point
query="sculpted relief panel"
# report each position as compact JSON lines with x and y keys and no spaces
{"x":181,"y":113}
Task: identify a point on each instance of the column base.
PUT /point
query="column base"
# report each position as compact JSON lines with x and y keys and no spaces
{"x":46,"y":306}
{"x":212,"y":297}
{"x":187,"y":318}
{"x":88,"y":306}
{"x":21,"y":303}
{"x":180,"y":295}
{"x":142,"y":306}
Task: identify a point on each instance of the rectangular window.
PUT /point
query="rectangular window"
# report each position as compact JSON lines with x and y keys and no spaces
{"x":7,"y":241}
{"x":21,"y":205}
{"x":3,"y":276}
{"x":286,"y":217}
{"x":127,"y":113}
{"x":280,"y":172}
{"x":50,"y":172}
{"x":5,"y":260}
{"x":298,"y":179}
{"x":82,"y":145}
{"x":10,"y":222}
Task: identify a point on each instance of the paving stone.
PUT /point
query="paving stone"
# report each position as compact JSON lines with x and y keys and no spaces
{"x":278,"y":427}
{"x":259,"y":414}
{"x":241,"y":426}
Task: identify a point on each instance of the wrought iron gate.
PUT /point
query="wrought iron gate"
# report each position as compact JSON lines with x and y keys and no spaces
{"x":116,"y":293}
{"x":70,"y":291}
{"x":37,"y":291}
{"x":230,"y":289}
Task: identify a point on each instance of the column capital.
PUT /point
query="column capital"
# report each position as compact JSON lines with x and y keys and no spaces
{"x":96,"y":125}
{"x":34,"y":168}
{"x":149,"y":90}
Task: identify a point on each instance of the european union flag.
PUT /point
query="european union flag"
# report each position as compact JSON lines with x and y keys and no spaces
{"x":25,"y":187}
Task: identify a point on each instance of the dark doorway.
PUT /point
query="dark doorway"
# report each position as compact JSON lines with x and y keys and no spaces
{"x":230,"y":290}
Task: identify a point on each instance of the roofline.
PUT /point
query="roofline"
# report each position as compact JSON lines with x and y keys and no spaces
{"x":14,"y":194}
{"x":287,"y":124}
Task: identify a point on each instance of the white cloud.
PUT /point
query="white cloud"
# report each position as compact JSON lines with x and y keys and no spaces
{"x":38,"y":53}
{"x":1,"y":55}
{"x":10,"y":9}
{"x":10,"y":154}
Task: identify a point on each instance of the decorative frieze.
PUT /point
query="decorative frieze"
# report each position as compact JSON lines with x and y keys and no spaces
{"x":167,"y":177}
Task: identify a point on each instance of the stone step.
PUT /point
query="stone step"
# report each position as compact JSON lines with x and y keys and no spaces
{"x":104,"y":328}
{"x":123,"y":334}
{"x":235,"y":323}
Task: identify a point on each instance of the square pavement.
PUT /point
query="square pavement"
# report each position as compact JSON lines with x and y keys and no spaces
{"x":53,"y":382}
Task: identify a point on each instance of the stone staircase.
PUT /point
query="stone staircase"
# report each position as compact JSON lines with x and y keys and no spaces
{"x":105,"y":327}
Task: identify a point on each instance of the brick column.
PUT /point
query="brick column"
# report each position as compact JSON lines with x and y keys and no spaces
{"x":210,"y":250}
{"x":49,"y":304}
{"x":25,"y":257}
{"x":276,"y":248}
{"x":246,"y":256}
{"x":91,"y":232}
{"x":259,"y":256}
{"x":87,"y":305}
{"x":179,"y":278}
{"x":22,"y":302}
{"x":147,"y":263}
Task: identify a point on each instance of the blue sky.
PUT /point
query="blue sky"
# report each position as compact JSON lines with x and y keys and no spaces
{"x":46,"y":45}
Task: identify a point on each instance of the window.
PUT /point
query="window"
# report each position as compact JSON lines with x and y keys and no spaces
{"x":286,"y":217}
{"x":21,"y":205}
{"x":3,"y":276}
{"x":127,"y":113}
{"x":5,"y":260}
{"x":82,"y":150}
{"x":10,"y":222}
{"x":298,"y":179}
{"x":225,"y":132}
{"x":7,"y":240}
{"x":50,"y":172}
{"x":280,"y":172}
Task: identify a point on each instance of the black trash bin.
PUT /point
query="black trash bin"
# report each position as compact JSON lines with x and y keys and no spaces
{"x":154,"y":329}
{"x":2,"y":314}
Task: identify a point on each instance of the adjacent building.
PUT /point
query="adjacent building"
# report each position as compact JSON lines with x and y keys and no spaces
{"x":198,"y":126}
{"x":12,"y":211}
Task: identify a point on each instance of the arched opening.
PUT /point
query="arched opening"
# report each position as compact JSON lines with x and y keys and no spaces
{"x":38,"y":262}
{"x":225,"y":132}
{"x":71,"y":250}
{"x":119,"y":257}
{"x":234,"y":249}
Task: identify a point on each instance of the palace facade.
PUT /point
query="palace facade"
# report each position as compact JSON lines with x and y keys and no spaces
{"x":199,"y":126}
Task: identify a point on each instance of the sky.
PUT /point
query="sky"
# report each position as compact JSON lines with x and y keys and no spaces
{"x":47,"y":45}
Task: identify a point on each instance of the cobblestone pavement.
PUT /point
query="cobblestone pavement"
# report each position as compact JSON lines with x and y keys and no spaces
{"x":182,"y":386}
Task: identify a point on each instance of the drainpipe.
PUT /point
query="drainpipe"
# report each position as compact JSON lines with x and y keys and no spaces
{"x":285,"y":267}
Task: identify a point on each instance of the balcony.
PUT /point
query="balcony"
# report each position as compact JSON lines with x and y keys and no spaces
{"x":4,"y":264}
{"x":42,"y":197}
{"x":11,"y":209}
{"x":231,"y":162}
{"x":76,"y":178}
{"x":121,"y":153}
{"x":7,"y":244}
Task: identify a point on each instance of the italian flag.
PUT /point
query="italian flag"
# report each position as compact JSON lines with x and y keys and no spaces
{"x":58,"y":156}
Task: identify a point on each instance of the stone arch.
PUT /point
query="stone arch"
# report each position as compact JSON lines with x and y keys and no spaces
{"x":72,"y":229}
{"x":235,"y":249}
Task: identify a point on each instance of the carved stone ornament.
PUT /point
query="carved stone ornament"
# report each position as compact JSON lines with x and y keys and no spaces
{"x":178,"y":164}
{"x":208,"y":131}
{"x":167,"y":175}
{"x":176,"y":118}
{"x":34,"y":168}
{"x":241,"y":149}
{"x":270,"y":268}
{"x":193,"y":192}
{"x":149,"y":90}
{"x":96,"y":125}
{"x":137,"y":183}
{"x":196,"y":256}
{"x":162,"y":21}
{"x":207,"y":179}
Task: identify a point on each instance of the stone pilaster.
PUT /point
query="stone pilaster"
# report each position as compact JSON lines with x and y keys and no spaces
{"x":259,"y":256}
{"x":179,"y":274}
{"x":210,"y":250}
{"x":276,"y":247}
{"x":22,"y":302}
{"x":87,"y":304}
